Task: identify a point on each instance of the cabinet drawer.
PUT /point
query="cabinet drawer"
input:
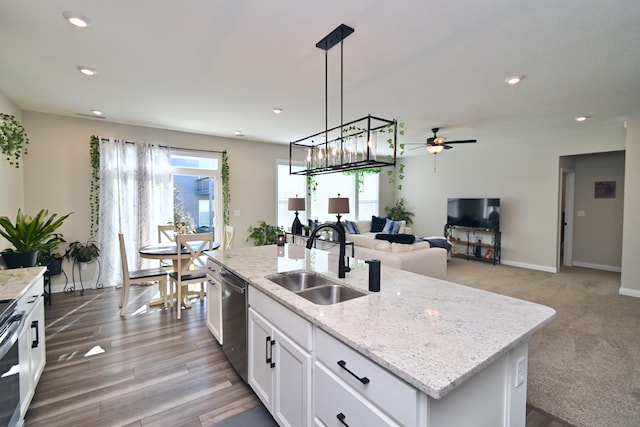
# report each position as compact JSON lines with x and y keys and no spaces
{"x":333,"y":399}
{"x":28,"y":300}
{"x":292,"y":325}
{"x":390,"y":393}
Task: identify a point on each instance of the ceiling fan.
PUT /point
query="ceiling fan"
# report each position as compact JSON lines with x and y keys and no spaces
{"x":436,"y":144}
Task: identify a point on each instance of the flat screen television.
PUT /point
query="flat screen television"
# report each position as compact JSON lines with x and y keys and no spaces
{"x":474,"y":213}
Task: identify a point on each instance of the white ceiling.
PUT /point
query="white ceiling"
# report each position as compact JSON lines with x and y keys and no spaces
{"x":214,"y":67}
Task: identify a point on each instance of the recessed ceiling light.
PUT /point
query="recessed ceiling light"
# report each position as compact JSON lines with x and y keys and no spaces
{"x":513,"y":80}
{"x":87,"y":71}
{"x":238,"y":133}
{"x":581,"y":118}
{"x":76,"y":19}
{"x":96,"y":112}
{"x":277,"y":110}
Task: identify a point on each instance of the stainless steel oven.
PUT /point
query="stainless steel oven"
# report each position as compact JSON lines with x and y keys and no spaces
{"x":11,"y":323}
{"x":234,"y":321}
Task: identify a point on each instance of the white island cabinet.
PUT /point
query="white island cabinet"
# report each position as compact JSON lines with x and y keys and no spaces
{"x":421,"y":352}
{"x":279,"y":360}
{"x":214,"y":299}
{"x":26,"y":286}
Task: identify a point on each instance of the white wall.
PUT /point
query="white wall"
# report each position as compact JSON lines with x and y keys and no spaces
{"x":523,"y":174}
{"x":11,"y":179}
{"x":629,"y":283}
{"x":597,"y":236}
{"x":57,"y":170}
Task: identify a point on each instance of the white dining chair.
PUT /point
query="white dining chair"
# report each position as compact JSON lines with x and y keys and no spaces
{"x":228,"y":236}
{"x":131,"y":277}
{"x":166,"y":234}
{"x":191,"y":266}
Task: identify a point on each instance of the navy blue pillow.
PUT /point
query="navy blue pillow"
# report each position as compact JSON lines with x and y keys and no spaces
{"x":377,"y":224}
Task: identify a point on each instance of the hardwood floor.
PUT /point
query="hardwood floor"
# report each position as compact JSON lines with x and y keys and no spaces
{"x":146,"y":369}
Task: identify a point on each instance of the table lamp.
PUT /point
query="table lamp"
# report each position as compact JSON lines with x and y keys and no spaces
{"x":296,"y":204}
{"x":338,"y":205}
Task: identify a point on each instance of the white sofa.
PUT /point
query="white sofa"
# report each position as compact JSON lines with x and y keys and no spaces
{"x":418,"y":258}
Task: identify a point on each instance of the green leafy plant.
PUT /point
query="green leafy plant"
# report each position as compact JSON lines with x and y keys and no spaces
{"x":398,"y":212}
{"x":30,"y":234}
{"x":94,"y":185}
{"x":312,"y":186}
{"x":264,"y":234}
{"x":226,"y":193}
{"x":399,"y":172}
{"x":82,"y":252}
{"x":13,"y":139}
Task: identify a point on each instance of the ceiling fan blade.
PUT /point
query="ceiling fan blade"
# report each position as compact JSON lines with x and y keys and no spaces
{"x":446,"y":147}
{"x":416,"y":146}
{"x":463,"y":141}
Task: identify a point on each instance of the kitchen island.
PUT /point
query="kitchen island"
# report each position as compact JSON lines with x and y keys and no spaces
{"x":25,"y":288}
{"x":462,"y":351}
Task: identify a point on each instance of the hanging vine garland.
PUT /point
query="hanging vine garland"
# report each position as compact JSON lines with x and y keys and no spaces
{"x":13,"y":139}
{"x":94,"y":190}
{"x":226,"y":193}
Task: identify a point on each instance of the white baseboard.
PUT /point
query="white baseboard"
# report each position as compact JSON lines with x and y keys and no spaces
{"x":530,"y":266}
{"x":629,"y":292}
{"x":612,"y":268}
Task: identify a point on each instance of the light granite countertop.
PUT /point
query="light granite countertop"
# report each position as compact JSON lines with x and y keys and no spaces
{"x":13,"y":283}
{"x":431,"y":333}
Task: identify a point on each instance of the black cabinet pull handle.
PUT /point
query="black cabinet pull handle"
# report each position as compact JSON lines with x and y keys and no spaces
{"x":266,"y":351}
{"x":273,"y":364}
{"x":341,"y":418}
{"x":343,"y":365}
{"x":36,"y":342}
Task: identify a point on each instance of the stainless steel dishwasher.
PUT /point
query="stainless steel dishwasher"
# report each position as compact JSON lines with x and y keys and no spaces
{"x":234,"y":321}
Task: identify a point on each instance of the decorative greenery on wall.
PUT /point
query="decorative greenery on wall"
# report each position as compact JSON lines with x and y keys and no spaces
{"x":312,"y":186}
{"x":226,"y":193}
{"x":400,"y":169}
{"x":359,"y":174}
{"x":13,"y":139}
{"x":94,"y":190}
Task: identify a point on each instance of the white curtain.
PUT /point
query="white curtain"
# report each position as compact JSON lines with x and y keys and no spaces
{"x":135,"y":196}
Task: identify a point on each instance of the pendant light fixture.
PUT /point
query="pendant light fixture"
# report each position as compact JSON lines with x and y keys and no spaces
{"x":348,"y":146}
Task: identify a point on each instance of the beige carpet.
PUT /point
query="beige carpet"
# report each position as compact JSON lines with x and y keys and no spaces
{"x":584,"y":367}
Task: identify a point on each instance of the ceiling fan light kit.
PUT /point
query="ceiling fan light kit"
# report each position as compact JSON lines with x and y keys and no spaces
{"x":348,"y":146}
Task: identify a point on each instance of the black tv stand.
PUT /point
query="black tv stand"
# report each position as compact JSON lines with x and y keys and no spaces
{"x":479,"y":244}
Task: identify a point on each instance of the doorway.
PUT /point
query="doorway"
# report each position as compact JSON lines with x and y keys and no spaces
{"x":565,"y":238}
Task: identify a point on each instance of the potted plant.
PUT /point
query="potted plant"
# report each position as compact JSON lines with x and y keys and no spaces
{"x":306,"y":229}
{"x":399,"y":212}
{"x":82,"y":252}
{"x":264,"y":234}
{"x":29,"y":235}
{"x":13,"y":139}
{"x":51,"y":259}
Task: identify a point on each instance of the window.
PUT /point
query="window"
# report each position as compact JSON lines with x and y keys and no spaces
{"x":196,"y":194}
{"x":362,"y":204}
{"x":289,"y":186}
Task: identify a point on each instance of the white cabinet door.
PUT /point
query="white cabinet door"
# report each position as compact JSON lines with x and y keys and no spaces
{"x":38,"y":352}
{"x":279,"y":372}
{"x":292,"y":391}
{"x":260,"y":357}
{"x":214,"y":309}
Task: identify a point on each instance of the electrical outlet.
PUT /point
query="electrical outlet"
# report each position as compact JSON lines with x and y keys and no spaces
{"x":236,"y":213}
{"x":521,"y":369}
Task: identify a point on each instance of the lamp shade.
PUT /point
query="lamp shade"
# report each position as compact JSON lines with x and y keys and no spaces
{"x":338,"y":205}
{"x":435,"y":149}
{"x":296,"y":204}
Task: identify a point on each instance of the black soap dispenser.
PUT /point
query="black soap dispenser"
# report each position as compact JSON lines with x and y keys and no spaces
{"x":374,"y":275}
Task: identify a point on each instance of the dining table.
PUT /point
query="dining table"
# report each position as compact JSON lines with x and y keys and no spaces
{"x":168,"y":251}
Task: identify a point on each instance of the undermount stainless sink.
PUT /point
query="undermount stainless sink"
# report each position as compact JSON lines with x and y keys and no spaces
{"x":315,"y":288}
{"x":330,"y":294}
